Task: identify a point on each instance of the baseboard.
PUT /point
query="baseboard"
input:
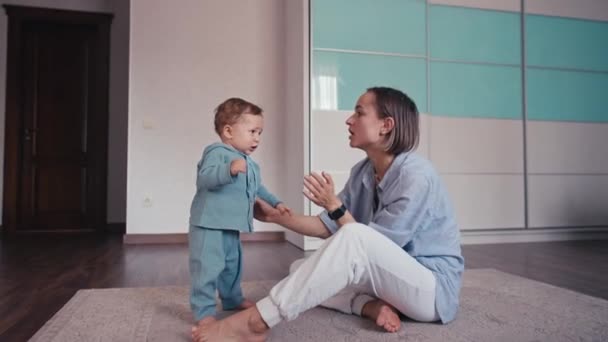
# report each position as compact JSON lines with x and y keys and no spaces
{"x":146,"y":239}
{"x":114,"y":228}
{"x":143,"y":239}
{"x":533,"y":235}
{"x":263,"y":237}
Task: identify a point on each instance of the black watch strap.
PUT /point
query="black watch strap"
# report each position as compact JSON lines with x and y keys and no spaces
{"x":336,"y":214}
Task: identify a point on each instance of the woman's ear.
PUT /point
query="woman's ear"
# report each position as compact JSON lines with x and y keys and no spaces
{"x":387,"y":125}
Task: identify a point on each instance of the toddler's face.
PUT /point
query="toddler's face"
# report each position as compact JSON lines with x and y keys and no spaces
{"x":246,"y":133}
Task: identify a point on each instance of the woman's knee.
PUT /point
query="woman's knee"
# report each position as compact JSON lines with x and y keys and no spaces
{"x":355,"y":230}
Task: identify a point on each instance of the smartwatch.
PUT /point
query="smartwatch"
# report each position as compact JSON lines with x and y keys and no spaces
{"x":336,"y":214}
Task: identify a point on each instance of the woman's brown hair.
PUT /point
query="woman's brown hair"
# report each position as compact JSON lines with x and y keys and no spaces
{"x":393,"y":103}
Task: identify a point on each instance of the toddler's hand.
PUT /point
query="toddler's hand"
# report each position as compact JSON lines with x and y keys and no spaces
{"x":283,"y":209}
{"x":238,"y":165}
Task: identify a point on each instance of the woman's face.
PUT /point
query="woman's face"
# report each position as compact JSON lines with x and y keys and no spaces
{"x":364,"y":126}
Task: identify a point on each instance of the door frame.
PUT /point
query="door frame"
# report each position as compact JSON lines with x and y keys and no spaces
{"x":98,"y":107}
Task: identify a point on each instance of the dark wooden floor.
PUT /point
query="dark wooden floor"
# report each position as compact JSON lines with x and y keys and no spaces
{"x":39,"y":274}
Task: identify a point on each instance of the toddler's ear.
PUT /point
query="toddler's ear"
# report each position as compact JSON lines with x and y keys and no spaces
{"x":227,"y":130}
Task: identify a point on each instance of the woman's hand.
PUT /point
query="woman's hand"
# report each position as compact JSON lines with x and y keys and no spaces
{"x":320,"y":190}
{"x":264,"y":212}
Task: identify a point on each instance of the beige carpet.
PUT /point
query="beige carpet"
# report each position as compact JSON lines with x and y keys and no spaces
{"x":496,"y":306}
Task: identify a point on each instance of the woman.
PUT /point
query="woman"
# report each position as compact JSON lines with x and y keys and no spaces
{"x":393,"y":244}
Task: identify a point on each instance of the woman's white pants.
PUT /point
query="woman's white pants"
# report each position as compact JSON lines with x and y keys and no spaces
{"x":354,"y":266}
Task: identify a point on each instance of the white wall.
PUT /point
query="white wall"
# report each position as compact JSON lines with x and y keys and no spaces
{"x":184,"y":60}
{"x":118,"y":91}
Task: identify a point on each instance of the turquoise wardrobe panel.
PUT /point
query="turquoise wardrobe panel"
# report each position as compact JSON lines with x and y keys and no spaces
{"x":476,"y":35}
{"x":395,"y":26}
{"x":555,"y":95}
{"x":468,"y":90}
{"x":566,"y":43}
{"x":340,"y":78}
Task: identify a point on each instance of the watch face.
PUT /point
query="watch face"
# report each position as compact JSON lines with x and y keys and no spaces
{"x":336,"y":214}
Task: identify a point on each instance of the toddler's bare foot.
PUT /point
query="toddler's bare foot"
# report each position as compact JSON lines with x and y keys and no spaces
{"x":246,"y":325}
{"x":206,"y":320}
{"x":383,"y":314}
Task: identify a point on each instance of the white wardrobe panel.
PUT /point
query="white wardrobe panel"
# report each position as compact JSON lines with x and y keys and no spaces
{"x":568,"y":200}
{"x":475,"y":145}
{"x":583,"y":9}
{"x":567,"y":147}
{"x":501,"y":5}
{"x":329,"y":149}
{"x":487,"y":201}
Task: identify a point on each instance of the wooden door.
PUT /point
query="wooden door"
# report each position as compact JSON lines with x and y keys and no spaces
{"x":57,"y":89}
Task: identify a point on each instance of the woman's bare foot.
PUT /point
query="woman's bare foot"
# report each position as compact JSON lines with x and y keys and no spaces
{"x":207,"y":319}
{"x":246,"y":325}
{"x":383,"y":314}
